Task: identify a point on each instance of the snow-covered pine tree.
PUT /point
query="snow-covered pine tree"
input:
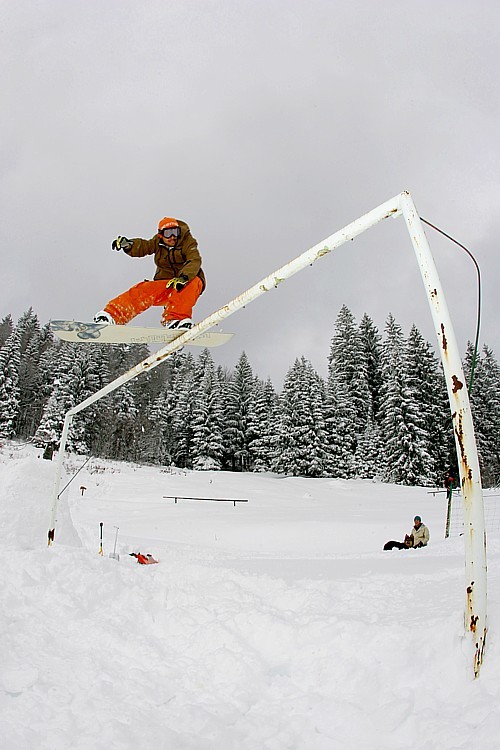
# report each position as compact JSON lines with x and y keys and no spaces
{"x":79,"y":374}
{"x":158,"y":444}
{"x":320,"y":464}
{"x":120,"y":418}
{"x":427,"y":383}
{"x":239,"y":394}
{"x":263,"y":421}
{"x":10,"y":362}
{"x":18,"y":368}
{"x":405,"y":440}
{"x":126,"y":432}
{"x":347,"y":365}
{"x":50,"y":428}
{"x":302,"y":438}
{"x":86,"y":379}
{"x":339,"y":420}
{"x":47,"y":366}
{"x":490,"y":371}
{"x":207,"y":415}
{"x":367,"y":460}
{"x":182,"y":410}
{"x":371,"y":354}
{"x":485,"y":406}
{"x":347,"y":395}
{"x":34,"y":344}
{"x":6,"y":328}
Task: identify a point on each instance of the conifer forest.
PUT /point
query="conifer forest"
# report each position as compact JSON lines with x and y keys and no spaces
{"x":380,"y":413}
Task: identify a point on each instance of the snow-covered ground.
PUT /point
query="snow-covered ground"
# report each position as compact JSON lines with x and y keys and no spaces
{"x":273,"y":624}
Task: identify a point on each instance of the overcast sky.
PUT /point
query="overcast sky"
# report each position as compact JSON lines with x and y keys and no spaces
{"x":267,"y":125}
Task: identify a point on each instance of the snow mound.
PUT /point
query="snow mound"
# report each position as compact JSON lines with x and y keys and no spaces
{"x":279,"y":624}
{"x":26,"y":486}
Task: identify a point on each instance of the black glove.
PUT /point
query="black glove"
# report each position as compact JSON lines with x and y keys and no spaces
{"x":122,"y":243}
{"x":177,"y":283}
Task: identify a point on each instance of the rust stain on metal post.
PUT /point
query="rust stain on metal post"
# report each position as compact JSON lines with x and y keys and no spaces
{"x":322,"y":252}
{"x":459,"y":432}
{"x":444,"y":339}
{"x":478,"y":657}
{"x":472,"y":617}
{"x":457,"y":384}
{"x":472,"y":624}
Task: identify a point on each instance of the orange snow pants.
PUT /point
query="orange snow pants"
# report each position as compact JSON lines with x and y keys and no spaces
{"x":146,"y":294}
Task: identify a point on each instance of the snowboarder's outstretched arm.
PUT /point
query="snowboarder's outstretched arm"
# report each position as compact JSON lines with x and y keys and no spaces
{"x":136,"y":247}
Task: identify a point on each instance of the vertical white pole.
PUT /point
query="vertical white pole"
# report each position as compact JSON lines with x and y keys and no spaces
{"x":463,"y":428}
{"x":57,"y":477}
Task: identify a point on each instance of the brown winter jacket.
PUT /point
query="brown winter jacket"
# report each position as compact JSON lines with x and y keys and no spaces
{"x":182,"y":260}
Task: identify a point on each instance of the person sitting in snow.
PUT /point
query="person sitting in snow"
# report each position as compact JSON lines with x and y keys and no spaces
{"x":418,"y":537}
{"x":178,"y":282}
{"x":420,"y":533}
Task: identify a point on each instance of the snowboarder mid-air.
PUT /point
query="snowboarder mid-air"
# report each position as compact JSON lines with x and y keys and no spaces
{"x":177,"y":284}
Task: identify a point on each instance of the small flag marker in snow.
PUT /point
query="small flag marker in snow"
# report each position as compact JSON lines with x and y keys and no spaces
{"x":101,"y":552}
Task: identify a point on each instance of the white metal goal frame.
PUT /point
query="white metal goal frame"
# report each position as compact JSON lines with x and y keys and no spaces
{"x":470,"y":477}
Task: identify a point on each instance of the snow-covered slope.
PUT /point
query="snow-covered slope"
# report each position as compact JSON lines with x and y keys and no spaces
{"x":278,"y":623}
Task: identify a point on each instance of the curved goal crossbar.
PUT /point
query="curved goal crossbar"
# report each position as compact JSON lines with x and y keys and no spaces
{"x":463,"y":428}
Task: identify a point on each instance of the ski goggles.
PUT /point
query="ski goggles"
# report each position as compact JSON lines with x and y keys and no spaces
{"x":170,"y":232}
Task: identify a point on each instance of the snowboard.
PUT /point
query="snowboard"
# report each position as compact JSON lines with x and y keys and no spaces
{"x":99,"y":333}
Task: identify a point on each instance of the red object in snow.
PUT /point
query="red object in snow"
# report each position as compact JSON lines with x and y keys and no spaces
{"x":144,"y":559}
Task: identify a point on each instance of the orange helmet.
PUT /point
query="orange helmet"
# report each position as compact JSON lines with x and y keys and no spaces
{"x":166,"y":223}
